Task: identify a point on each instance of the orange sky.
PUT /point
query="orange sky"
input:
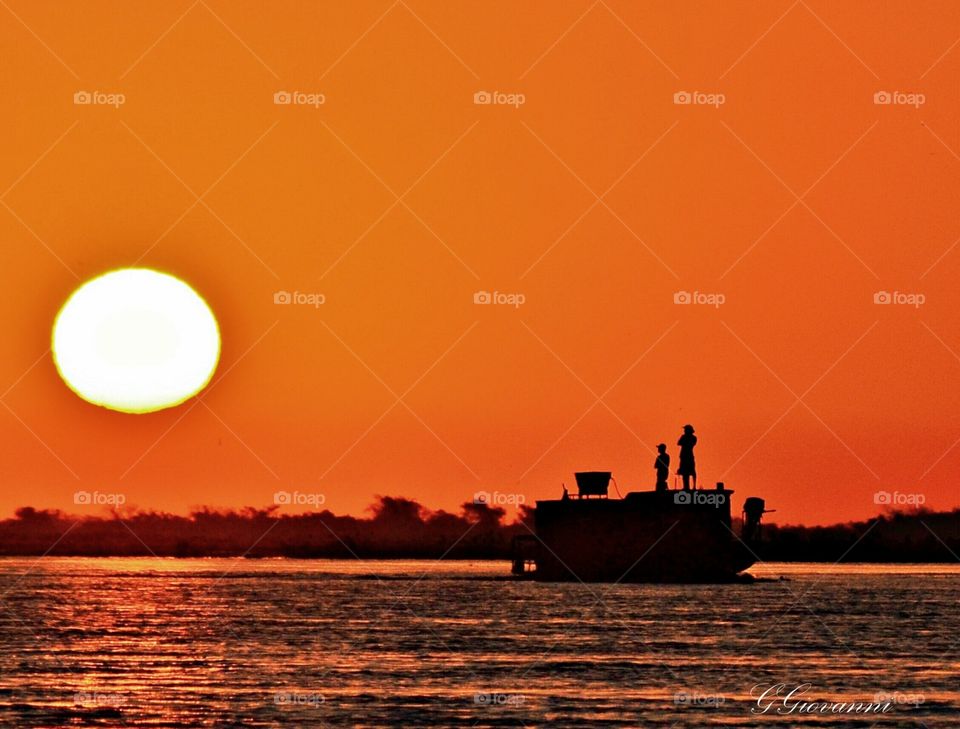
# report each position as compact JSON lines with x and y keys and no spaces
{"x":597,"y":199}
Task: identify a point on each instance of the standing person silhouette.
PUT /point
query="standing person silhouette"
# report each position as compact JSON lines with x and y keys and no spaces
{"x":688,"y":466}
{"x":662,"y":466}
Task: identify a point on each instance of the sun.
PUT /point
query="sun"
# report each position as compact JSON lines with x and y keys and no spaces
{"x":135,"y":340}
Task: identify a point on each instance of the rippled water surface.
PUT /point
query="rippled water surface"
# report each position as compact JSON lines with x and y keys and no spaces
{"x":232,"y":642}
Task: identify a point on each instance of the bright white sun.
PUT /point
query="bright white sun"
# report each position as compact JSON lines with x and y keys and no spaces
{"x":136,"y":340}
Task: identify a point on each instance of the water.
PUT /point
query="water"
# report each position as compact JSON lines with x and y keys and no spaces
{"x":232,"y":642}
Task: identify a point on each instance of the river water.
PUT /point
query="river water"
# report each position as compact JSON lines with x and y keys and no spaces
{"x":319,"y":643}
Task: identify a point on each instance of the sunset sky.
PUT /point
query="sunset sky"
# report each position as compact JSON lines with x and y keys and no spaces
{"x":789,"y":192}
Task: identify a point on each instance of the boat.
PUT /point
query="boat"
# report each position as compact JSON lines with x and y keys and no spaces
{"x":668,"y":536}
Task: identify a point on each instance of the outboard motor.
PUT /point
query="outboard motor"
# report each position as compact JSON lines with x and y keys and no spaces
{"x":753,"y":510}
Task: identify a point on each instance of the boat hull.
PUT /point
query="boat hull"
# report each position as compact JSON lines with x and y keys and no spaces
{"x":645,"y":537}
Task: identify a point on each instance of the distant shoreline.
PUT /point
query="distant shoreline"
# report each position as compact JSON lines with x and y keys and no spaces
{"x":401,"y":528}
{"x":427,"y":560}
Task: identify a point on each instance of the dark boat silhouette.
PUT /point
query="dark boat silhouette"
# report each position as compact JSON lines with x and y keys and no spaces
{"x":646,"y":536}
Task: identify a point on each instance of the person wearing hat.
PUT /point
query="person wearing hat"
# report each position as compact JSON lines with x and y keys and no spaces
{"x":688,"y":466}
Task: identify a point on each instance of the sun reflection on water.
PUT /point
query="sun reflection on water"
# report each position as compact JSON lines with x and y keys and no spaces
{"x":318,"y":643}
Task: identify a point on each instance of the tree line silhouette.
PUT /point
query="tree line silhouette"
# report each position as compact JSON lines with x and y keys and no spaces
{"x":396,"y":528}
{"x":399,"y":527}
